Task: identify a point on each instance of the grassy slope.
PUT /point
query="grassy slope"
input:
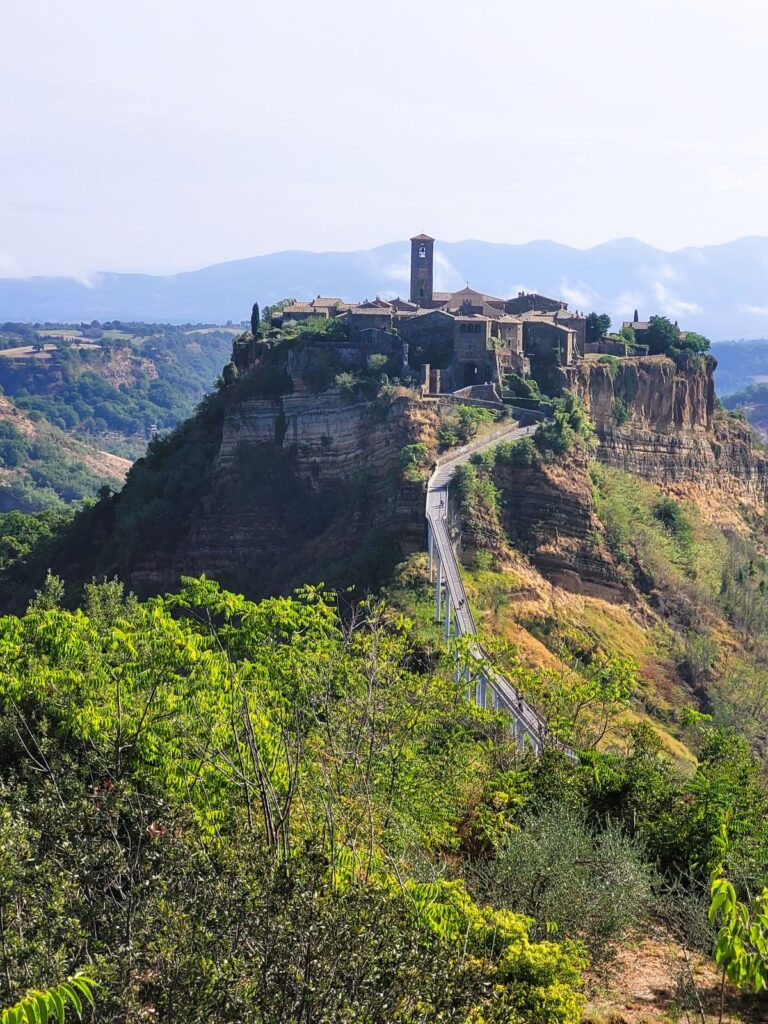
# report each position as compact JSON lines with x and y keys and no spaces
{"x":698,"y":628}
{"x":41,"y":467}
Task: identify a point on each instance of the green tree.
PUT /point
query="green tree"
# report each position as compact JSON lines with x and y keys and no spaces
{"x":40,"y":1005}
{"x":598,"y":324}
{"x":627,"y":334}
{"x":255,"y":321}
{"x":569,"y":423}
{"x":690,"y":341}
{"x":662,"y":336}
{"x":741,"y":946}
{"x":229,"y":375}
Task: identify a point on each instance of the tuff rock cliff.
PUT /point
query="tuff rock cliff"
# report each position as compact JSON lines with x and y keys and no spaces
{"x":284,"y":478}
{"x":303,"y":487}
{"x":658,"y":417}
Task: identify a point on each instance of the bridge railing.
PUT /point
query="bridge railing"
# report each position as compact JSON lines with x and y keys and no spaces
{"x":528,"y":726}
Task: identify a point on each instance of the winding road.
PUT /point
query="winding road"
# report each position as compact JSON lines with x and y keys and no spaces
{"x":491,"y":689}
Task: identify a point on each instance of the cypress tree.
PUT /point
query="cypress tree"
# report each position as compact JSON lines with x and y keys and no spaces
{"x":255,"y":320}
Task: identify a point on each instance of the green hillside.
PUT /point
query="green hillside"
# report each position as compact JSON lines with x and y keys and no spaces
{"x":41,"y":467}
{"x":292,"y":809}
{"x":114,"y":384}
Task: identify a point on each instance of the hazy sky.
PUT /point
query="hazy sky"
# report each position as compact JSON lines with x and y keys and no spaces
{"x":168,"y":134}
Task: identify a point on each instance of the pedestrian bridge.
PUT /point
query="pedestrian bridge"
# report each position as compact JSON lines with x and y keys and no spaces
{"x":489,"y":688}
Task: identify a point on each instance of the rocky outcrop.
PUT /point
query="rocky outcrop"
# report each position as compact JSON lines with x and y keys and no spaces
{"x":657,"y":417}
{"x":304,"y":487}
{"x":548,"y":513}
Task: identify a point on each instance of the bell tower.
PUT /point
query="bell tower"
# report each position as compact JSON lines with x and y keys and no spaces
{"x":422,"y":251}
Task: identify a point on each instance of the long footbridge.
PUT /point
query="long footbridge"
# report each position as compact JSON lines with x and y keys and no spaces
{"x":489,"y":687}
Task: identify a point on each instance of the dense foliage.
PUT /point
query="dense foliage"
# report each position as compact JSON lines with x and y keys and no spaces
{"x":226,"y":803}
{"x":597,"y":325}
{"x":665,"y":338}
{"x":128,"y":379}
{"x":44,"y":469}
{"x":247,"y":812}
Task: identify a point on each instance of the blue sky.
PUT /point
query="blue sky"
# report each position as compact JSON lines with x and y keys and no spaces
{"x":166,"y":135}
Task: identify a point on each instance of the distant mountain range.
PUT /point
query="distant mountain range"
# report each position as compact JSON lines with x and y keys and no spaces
{"x":719,"y":290}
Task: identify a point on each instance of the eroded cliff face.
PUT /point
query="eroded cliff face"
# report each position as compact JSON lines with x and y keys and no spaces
{"x":657,"y":418}
{"x":305,"y":487}
{"x":548,"y":512}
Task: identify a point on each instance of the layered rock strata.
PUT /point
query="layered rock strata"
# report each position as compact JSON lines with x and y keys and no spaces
{"x":657,"y":418}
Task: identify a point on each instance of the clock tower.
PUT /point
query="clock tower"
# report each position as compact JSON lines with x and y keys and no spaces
{"x":422,"y":248}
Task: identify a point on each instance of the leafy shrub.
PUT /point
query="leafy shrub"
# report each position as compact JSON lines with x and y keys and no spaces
{"x":469,"y":420}
{"x":620,"y":411}
{"x":521,"y":387}
{"x":612,"y":363}
{"x":413,"y":457}
{"x":569,"y":424}
{"x":553,"y":868}
{"x":476,"y":491}
{"x":348,"y":383}
{"x":518,"y":454}
{"x":447,"y":437}
{"x":671,"y":516}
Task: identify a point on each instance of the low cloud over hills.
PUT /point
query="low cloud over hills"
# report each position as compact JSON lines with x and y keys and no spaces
{"x":721,"y":290}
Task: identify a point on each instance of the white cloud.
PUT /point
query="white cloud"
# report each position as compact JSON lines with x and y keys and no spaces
{"x":579,"y":296}
{"x":755,"y":310}
{"x":447,"y":277}
{"x":670,"y":304}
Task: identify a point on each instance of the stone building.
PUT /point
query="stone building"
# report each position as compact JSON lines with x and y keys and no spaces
{"x":638,"y":326}
{"x":369,"y":317}
{"x":529,"y":302}
{"x":422,"y":270}
{"x":467,"y":337}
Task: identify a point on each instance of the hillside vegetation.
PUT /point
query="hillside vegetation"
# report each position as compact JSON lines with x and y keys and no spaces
{"x":43,"y":468}
{"x":270,"y":812}
{"x":113,"y":384}
{"x":292,"y":809}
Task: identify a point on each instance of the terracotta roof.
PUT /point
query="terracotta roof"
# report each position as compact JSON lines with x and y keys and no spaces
{"x":470,"y":293}
{"x":422,"y":238}
{"x":370,"y":311}
{"x":299,"y":307}
{"x":441,"y":296}
{"x":322,"y":301}
{"x":637,"y":325}
{"x":473,"y":318}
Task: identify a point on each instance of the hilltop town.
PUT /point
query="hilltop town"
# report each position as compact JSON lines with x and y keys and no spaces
{"x":467,"y":341}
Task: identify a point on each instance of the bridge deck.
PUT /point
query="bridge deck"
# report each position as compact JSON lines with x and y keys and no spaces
{"x":528,"y":726}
